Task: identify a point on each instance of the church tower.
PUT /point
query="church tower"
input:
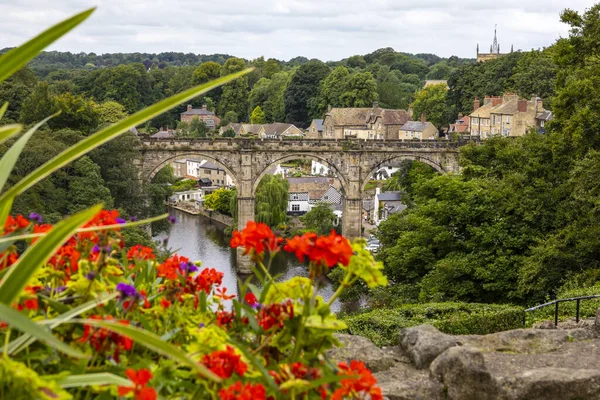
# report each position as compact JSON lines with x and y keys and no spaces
{"x":494,"y":49}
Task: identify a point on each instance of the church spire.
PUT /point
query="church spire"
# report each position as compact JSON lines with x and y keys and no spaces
{"x":495,"y":47}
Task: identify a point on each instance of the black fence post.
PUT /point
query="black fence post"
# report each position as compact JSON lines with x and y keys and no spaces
{"x":556,"y":315}
{"x":577,"y":312}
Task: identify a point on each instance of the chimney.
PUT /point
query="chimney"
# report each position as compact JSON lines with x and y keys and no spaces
{"x":189,"y":107}
{"x":539,"y":105}
{"x":204,"y":106}
{"x":496,"y":100}
{"x":460,"y":115}
{"x":423,"y":119}
{"x":476,"y":104}
{"x":522,"y":105}
{"x":487,"y":100}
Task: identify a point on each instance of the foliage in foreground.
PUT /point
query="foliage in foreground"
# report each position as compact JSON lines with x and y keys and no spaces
{"x":382,"y":326}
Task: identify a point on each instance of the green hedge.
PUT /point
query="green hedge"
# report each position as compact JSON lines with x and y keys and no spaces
{"x":382,"y":326}
{"x":567,"y":310}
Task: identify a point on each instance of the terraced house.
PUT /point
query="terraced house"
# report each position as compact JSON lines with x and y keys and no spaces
{"x":363,"y":123}
{"x":507,"y":116}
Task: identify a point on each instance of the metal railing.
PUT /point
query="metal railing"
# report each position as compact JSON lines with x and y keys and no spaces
{"x":557,"y":302}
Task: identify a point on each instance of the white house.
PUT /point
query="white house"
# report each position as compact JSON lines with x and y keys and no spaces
{"x":189,"y":195}
{"x":298,"y":203}
{"x":283,"y":170}
{"x":316,"y":168}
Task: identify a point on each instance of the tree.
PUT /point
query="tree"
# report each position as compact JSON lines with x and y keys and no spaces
{"x":235,"y":94}
{"x":535,"y":75}
{"x":320,"y":219}
{"x":356,"y":62}
{"x":15,"y":90}
{"x":219,"y":200}
{"x":393,"y":92}
{"x":271,"y":200}
{"x":110,"y":112}
{"x":270,"y":68}
{"x":360,"y":91}
{"x":333,"y":87}
{"x":258,"y":116}
{"x":206,"y":72}
{"x":228,"y":133}
{"x":439,"y":71}
{"x":230,"y":117}
{"x":431,"y":101}
{"x":39,"y":105}
{"x":301,"y":95}
{"x":86,"y":186}
{"x":77,"y":113}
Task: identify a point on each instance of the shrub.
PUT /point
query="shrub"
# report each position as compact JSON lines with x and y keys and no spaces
{"x":382,"y":326}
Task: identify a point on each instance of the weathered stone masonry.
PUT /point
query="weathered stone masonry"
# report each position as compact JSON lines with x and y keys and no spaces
{"x":248,"y":160}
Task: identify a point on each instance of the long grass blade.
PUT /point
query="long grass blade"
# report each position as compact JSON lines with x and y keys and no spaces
{"x":3,"y":109}
{"x":97,"y":379}
{"x":8,"y":161}
{"x":23,"y":324}
{"x":11,"y":61}
{"x":8,"y":131}
{"x":39,"y":253}
{"x":153,"y":342}
{"x":112,"y":131}
{"x":26,"y":340}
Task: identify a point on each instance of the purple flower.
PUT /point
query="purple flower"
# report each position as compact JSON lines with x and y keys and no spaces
{"x":120,"y":220}
{"x":90,"y":275}
{"x":201,"y":325}
{"x":60,"y":289}
{"x":133,"y":218}
{"x":189,"y":267}
{"x":126,"y":290}
{"x":172,"y":219}
{"x":96,"y":249}
{"x":36,"y":217}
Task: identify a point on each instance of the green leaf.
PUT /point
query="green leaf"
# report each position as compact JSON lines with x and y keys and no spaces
{"x":23,"y":324}
{"x":16,"y":58}
{"x":25,"y":340}
{"x":97,"y":379}
{"x":256,"y":362}
{"x":112,"y":131}
{"x":330,"y":322}
{"x":3,"y":109}
{"x":8,"y":131}
{"x":8,"y":161}
{"x":39,"y":253}
{"x":153,"y":342}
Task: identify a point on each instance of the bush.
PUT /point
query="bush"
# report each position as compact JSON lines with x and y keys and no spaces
{"x":382,"y":326}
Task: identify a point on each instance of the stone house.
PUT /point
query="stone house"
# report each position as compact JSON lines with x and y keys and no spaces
{"x":236,"y":127}
{"x":507,"y":116}
{"x":179,"y":168}
{"x":315,"y":130}
{"x":418,"y":130}
{"x":366,"y":123}
{"x":203,"y":170}
{"x":208,"y":117}
{"x":461,"y":125}
{"x":277,"y":130}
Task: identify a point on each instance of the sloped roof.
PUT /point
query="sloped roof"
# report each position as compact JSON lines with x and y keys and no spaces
{"x":415,"y":126}
{"x":162,"y":135}
{"x":254,"y":128}
{"x":209,"y":165}
{"x":198,"y":111}
{"x":483,"y":111}
{"x":545,"y":116}
{"x":232,"y":125}
{"x":394,"y":117}
{"x":318,"y":124}
{"x":349,"y":116}
{"x":510,"y":107}
{"x":389,"y":196}
{"x":276,"y":128}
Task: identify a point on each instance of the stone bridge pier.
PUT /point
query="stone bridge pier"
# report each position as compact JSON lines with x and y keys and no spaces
{"x":248,"y":160}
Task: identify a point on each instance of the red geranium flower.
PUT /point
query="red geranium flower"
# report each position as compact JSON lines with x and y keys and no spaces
{"x":12,"y":223}
{"x":140,"y":380}
{"x":359,"y":383}
{"x":328,"y":250}
{"x":140,"y":252}
{"x":171,"y":267}
{"x":102,"y":339}
{"x":165,"y":303}
{"x":250,"y":299}
{"x":299,"y":371}
{"x":222,"y":294}
{"x":255,"y":238}
{"x":224,"y":318}
{"x":275,"y":315}
{"x":237,"y":391}
{"x":224,"y":363}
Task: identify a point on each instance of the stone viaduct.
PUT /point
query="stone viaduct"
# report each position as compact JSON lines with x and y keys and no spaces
{"x":248,"y":160}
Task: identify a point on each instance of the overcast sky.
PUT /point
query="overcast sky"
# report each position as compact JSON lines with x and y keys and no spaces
{"x":324,"y":29}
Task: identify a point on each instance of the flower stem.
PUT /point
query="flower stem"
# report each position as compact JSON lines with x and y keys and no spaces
{"x":347,"y":281}
{"x":6,"y":341}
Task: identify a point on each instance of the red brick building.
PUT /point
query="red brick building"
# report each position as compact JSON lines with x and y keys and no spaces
{"x":209,"y":117}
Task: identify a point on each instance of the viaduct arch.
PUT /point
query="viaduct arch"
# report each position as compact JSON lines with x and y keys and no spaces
{"x":248,"y":160}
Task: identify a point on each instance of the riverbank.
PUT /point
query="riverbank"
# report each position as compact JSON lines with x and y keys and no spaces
{"x":212,"y":215}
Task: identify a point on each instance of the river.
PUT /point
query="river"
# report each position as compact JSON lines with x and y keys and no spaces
{"x":200,"y":239}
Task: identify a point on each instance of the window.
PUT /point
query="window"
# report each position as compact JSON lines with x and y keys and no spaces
{"x":476,"y":121}
{"x":295,"y":207}
{"x":295,"y":197}
{"x":325,"y":197}
{"x":508,"y":119}
{"x":207,"y":171}
{"x":380,"y":125}
{"x":487,"y":122}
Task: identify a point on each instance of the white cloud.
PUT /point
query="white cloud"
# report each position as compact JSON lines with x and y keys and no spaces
{"x":324,"y":29}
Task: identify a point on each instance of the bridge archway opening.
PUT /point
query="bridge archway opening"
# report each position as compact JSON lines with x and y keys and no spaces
{"x":272,"y":169}
{"x":397,"y":160}
{"x":192,"y":155}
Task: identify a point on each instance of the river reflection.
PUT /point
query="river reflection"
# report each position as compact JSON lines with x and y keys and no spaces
{"x":199,"y":238}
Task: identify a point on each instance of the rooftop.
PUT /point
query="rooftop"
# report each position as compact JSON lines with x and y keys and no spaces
{"x":390,"y":196}
{"x":415,"y":126}
{"x":318,"y":124}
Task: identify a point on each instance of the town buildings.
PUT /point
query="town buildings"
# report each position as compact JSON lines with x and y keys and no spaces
{"x":363,"y":123}
{"x":315,"y":130}
{"x":179,"y":168}
{"x":305,"y":192}
{"x":265,"y":131}
{"x":386,"y":204}
{"x":507,"y":116}
{"x":205,"y":172}
{"x":462,"y":125}
{"x":208,"y":117}
{"x":418,"y":130}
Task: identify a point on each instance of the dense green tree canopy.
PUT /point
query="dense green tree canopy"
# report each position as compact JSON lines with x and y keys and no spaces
{"x":271,"y":200}
{"x":431,"y":101}
{"x":319,"y":219}
{"x":301,"y":96}
{"x":258,"y":116}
